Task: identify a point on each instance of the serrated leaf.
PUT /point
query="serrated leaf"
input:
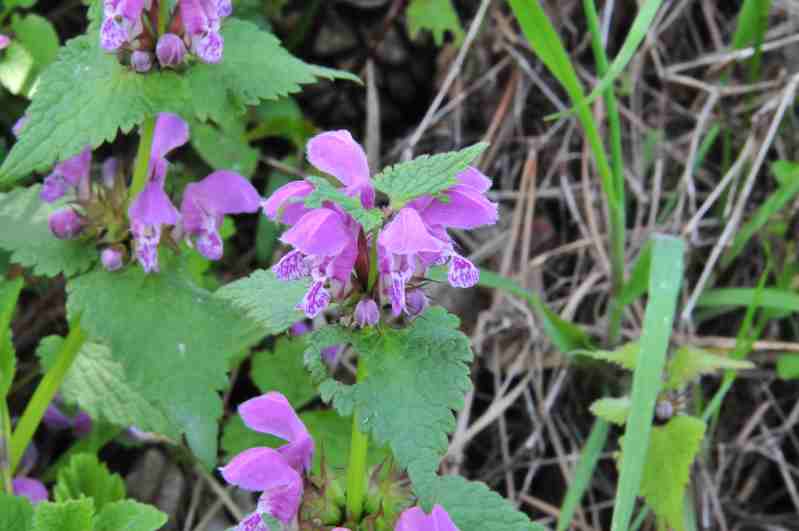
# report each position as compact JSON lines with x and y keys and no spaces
{"x":425,"y":175}
{"x":85,"y":98}
{"x":37,"y":35}
{"x":283,"y":370}
{"x":270,"y":302}
{"x":613,"y":410}
{"x":129,"y":515}
{"x":32,"y":244}
{"x":176,"y":353}
{"x":73,"y":515}
{"x":224,"y":147}
{"x":475,"y":507}
{"x":86,"y":477}
{"x":416,"y":377}
{"x":436,"y":16}
{"x":9,"y":293}
{"x":16,"y":513}
{"x":254,"y":67}
{"x":369,"y":219}
{"x":688,"y":363}
{"x":667,"y":470}
{"x":625,"y":356}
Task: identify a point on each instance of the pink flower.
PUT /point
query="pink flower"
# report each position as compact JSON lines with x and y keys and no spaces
{"x":30,"y":488}
{"x":71,"y":173}
{"x":414,"y":519}
{"x":4,"y":41}
{"x":277,"y":474}
{"x":122,"y":23}
{"x":203,"y":19}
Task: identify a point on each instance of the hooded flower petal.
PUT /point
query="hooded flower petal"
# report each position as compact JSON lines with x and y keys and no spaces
{"x":33,"y":489}
{"x":271,"y":413}
{"x":66,"y":174}
{"x":466,"y":209}
{"x":170,"y":133}
{"x":260,"y":469}
{"x":414,"y":519}
{"x":406,"y":234}
{"x":320,"y":232}
{"x":286,"y":204}
{"x":153,"y":206}
{"x":474,"y":178}
{"x":336,"y":153}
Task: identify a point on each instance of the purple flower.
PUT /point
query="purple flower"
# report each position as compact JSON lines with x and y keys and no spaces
{"x":20,"y":125}
{"x":203,"y":19}
{"x":205,"y":204}
{"x":30,"y":488}
{"x":367,"y":313}
{"x":275,"y":473}
{"x":109,"y":171}
{"x":170,"y":50}
{"x":112,"y":259}
{"x":71,"y":173}
{"x":141,"y":61}
{"x":80,"y":423}
{"x":338,"y":154}
{"x":416,"y":302}
{"x":122,"y":23}
{"x":65,"y":224}
{"x":286,"y":204}
{"x":4,"y":41}
{"x":153,"y":209}
{"x":414,"y":519}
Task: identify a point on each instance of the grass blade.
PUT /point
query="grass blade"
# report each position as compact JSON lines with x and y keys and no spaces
{"x":664,"y":286}
{"x":772,"y":298}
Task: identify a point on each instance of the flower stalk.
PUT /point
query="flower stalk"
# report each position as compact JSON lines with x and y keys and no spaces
{"x":140,"y":174}
{"x":357,"y":478}
{"x":45,"y":393}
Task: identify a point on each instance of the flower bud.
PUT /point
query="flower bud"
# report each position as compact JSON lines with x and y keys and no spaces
{"x":4,"y":41}
{"x":416,"y":302}
{"x":367,"y":313}
{"x":171,"y":51}
{"x":141,"y":61}
{"x":20,"y":125}
{"x":109,"y":171}
{"x":112,"y":259}
{"x":65,"y":224}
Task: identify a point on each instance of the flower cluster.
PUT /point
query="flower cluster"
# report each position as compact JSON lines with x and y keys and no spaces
{"x":279,"y":474}
{"x":331,"y":249}
{"x":129,"y":28}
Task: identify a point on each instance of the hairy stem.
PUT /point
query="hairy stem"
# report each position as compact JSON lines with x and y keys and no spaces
{"x":45,"y":392}
{"x":356,"y":470}
{"x":146,"y":133}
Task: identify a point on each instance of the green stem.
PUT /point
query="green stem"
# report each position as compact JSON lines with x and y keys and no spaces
{"x":617,"y":211}
{"x":45,"y":392}
{"x":163,"y":14}
{"x":5,"y":443}
{"x":146,"y":133}
{"x":356,"y":470}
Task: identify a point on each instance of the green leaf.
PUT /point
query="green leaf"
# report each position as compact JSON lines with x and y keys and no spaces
{"x":255,"y":67}
{"x":689,"y":363}
{"x":31,"y":242}
{"x":788,"y":366}
{"x":16,"y":67}
{"x":771,"y":298}
{"x":425,"y":175}
{"x":283,"y":370}
{"x":613,"y":410}
{"x":270,"y":302}
{"x":9,"y":293}
{"x":437,"y":16}
{"x":129,"y":515}
{"x":86,"y":477}
{"x":369,"y":219}
{"x":175,"y":354}
{"x":73,"y":515}
{"x":224,"y":147}
{"x":624,"y":356}
{"x":283,"y":118}
{"x":16,"y":513}
{"x":39,"y":38}
{"x":97,"y":383}
{"x":101,"y":434}
{"x":667,"y":470}
{"x":636,"y":285}
{"x":416,"y":377}
{"x":475,"y":507}
{"x":85,"y":98}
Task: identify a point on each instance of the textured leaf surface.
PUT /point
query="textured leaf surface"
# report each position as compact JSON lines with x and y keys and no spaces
{"x":324,"y":191}
{"x":283,"y":370}
{"x":31,"y":243}
{"x":224,"y":148}
{"x":74,"y":515}
{"x":672,"y":449}
{"x":475,"y":507}
{"x":613,"y":410}
{"x":689,"y":363}
{"x":416,"y":377}
{"x":87,"y":477}
{"x":16,"y":513}
{"x":272,"y":303}
{"x":175,"y":353}
{"x":97,"y":383}
{"x":625,"y":356}
{"x":255,"y":67}
{"x":129,"y":515}
{"x":437,"y":16}
{"x":85,"y":98}
{"x":425,"y":175}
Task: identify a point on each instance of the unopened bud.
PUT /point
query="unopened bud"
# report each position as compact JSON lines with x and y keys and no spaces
{"x":4,"y":41}
{"x":416,"y":302}
{"x":367,"y":313}
{"x":65,"y":224}
{"x":20,"y":125}
{"x":141,"y":61}
{"x":112,"y":259}
{"x":171,"y":51}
